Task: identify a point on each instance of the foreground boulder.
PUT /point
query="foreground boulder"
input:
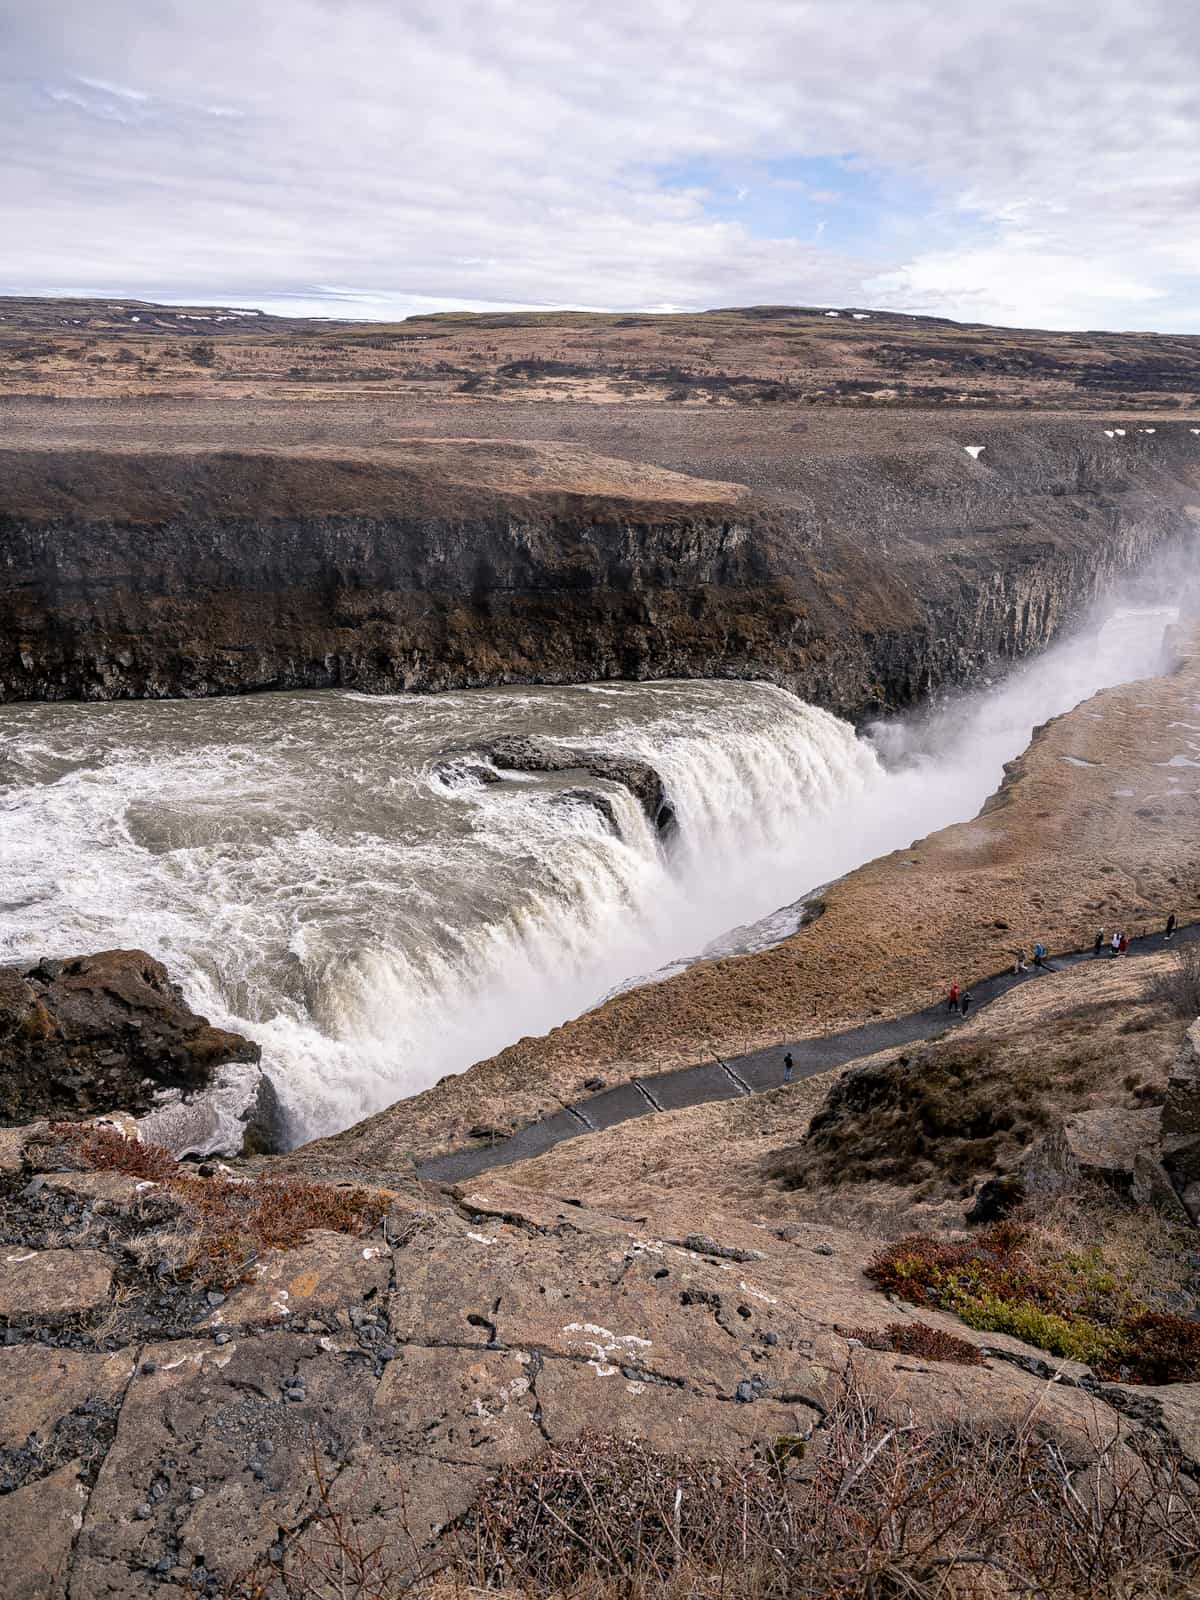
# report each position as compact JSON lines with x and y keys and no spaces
{"x":101,"y":1032}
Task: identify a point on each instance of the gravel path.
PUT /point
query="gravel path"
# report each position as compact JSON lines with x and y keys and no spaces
{"x":748,"y":1074}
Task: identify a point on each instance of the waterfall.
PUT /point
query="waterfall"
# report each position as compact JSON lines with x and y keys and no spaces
{"x":322,"y":872}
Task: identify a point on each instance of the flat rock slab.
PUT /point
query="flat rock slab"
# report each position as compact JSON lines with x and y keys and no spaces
{"x":52,"y":1285}
{"x":38,"y":1387}
{"x":41,"y":1520}
{"x":330,"y":1271}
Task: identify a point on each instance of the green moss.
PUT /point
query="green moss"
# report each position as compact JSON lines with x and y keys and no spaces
{"x":1074,"y":1338}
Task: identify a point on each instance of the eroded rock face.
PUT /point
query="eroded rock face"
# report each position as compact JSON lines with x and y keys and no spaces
{"x":222,"y":572}
{"x":99,"y":1033}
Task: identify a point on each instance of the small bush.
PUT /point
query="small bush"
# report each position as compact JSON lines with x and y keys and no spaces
{"x":918,"y":1339}
{"x":231,"y":1222}
{"x":1072,"y":1305}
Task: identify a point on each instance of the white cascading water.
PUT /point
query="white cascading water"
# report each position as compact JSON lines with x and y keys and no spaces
{"x":316,"y":877}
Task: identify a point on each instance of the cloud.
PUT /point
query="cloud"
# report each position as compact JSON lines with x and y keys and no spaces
{"x":467,"y":151}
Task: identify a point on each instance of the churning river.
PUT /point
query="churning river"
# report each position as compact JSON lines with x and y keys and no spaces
{"x":327,"y":874}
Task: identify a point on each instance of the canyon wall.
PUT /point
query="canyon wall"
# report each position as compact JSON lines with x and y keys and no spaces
{"x":864,"y":583}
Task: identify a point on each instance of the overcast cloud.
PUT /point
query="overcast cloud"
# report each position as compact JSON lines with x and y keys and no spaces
{"x":1033,"y":163}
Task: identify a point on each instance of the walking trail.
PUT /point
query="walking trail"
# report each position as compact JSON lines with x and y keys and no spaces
{"x":753,"y":1073}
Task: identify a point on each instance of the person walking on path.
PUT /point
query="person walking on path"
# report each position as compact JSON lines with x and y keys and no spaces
{"x":1099,"y":944}
{"x":1170,"y":933}
{"x":1124,"y":945}
{"x":1039,"y":954}
{"x":1116,"y":942}
{"x":788,"y":1064}
{"x":1019,"y":964}
{"x":965,"y":1001}
{"x":952,"y":1002}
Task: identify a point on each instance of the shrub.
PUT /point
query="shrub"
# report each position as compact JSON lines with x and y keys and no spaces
{"x":918,"y":1339}
{"x":1072,"y":1305}
{"x":232,"y":1221}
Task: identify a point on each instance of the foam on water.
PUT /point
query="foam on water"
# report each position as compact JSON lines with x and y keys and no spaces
{"x":317,"y":878}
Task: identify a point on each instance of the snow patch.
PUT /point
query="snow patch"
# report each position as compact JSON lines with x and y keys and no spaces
{"x":974,"y":450}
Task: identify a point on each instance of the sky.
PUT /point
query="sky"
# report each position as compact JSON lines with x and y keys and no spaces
{"x":1030,"y":164}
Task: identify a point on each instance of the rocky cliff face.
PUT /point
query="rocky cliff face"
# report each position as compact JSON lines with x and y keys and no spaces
{"x":870,"y":581}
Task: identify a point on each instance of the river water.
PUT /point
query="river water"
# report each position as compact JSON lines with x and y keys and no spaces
{"x":323,"y":872}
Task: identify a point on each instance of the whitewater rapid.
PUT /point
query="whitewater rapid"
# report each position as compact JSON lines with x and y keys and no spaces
{"x":321,"y":872}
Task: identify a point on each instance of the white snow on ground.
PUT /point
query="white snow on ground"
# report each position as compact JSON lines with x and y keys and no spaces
{"x":1108,"y":433}
{"x":832,"y":313}
{"x":1149,"y":430}
{"x":865,"y":316}
{"x":973,"y":450}
{"x":1120,"y":432}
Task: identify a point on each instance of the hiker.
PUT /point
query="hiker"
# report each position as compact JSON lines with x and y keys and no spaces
{"x":1115,"y":942}
{"x":788,"y":1064}
{"x":1099,"y":944}
{"x":952,"y":1003}
{"x":1124,"y":945}
{"x":1039,"y":954}
{"x":1019,"y":964}
{"x":965,"y":1001}
{"x":1170,"y":933}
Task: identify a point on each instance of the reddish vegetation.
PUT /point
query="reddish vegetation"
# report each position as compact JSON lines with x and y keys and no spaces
{"x":231,"y":1221}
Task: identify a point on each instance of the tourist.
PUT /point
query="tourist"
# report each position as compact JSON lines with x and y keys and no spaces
{"x":1116,"y":942}
{"x":952,"y":1003}
{"x":1170,"y":934}
{"x":1039,"y":954}
{"x":1019,"y":964}
{"x":1124,"y":945}
{"x":1099,"y":944}
{"x":965,"y":1001}
{"x":788,"y":1064}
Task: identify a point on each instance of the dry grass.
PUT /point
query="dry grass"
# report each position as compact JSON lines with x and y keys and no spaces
{"x":861,"y":1508}
{"x":1177,"y":989}
{"x":225,"y":1224}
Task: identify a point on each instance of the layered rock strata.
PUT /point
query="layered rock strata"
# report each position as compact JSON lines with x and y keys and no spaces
{"x":866,"y":583}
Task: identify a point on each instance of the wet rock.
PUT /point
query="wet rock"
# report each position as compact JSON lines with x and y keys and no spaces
{"x":266,"y":1131}
{"x":100,"y":1032}
{"x":50,"y":1286}
{"x":520,"y":753}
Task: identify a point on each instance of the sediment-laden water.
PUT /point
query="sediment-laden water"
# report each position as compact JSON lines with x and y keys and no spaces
{"x":328,"y":873}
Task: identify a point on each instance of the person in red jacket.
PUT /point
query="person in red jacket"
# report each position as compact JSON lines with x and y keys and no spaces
{"x":952,"y":1003}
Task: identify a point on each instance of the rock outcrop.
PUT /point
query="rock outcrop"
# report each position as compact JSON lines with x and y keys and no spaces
{"x":101,"y":1032}
{"x":868,"y":582}
{"x":181,"y":1436}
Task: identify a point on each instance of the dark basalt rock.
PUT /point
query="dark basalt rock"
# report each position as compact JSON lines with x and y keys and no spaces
{"x":101,"y":1033}
{"x":876,"y":579}
{"x":520,"y":753}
